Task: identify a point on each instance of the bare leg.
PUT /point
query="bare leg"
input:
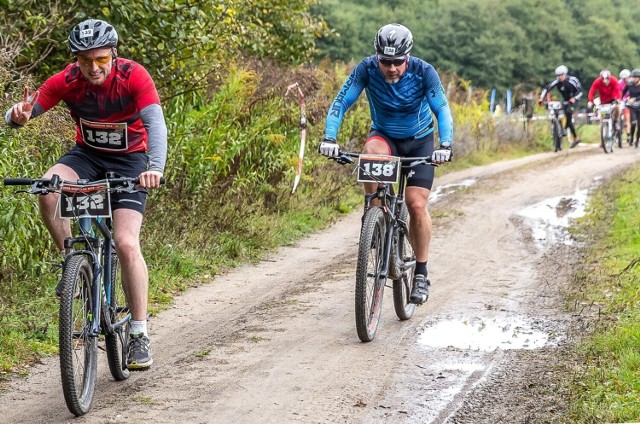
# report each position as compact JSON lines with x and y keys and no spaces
{"x":420,"y":222}
{"x":374,"y":146}
{"x":135,"y":277}
{"x":58,"y":228}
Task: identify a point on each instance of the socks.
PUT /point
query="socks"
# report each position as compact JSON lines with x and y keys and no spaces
{"x":421,"y":268}
{"x":138,"y":327}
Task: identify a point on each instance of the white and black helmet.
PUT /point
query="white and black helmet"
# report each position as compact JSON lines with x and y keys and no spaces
{"x":562,"y":70}
{"x":393,"y":41}
{"x":92,"y":34}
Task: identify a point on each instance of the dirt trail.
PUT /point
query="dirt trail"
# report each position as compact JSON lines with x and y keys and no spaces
{"x":275,"y":342}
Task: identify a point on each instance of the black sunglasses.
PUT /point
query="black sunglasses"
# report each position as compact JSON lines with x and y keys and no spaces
{"x":394,"y":62}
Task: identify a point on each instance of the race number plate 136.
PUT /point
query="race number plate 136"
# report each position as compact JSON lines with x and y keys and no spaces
{"x":81,"y":201}
{"x":379,"y":169}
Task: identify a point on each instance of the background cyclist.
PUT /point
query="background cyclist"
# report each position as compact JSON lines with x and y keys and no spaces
{"x":606,"y":85}
{"x":623,"y":81}
{"x":571,"y":91}
{"x":403,"y":92}
{"x":632,"y":91}
{"x":120,"y":127}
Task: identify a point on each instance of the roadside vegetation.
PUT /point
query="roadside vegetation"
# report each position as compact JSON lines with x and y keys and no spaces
{"x":604,"y":381}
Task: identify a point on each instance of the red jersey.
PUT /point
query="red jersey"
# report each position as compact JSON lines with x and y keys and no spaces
{"x":107,"y":116}
{"x":607,"y":93}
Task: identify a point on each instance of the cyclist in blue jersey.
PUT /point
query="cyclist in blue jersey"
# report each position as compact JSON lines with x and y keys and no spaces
{"x":403,"y":93}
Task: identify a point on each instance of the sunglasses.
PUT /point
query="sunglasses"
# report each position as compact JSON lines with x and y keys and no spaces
{"x":88,"y":61}
{"x":394,"y":62}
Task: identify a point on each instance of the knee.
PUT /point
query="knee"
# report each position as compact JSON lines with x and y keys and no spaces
{"x":128,"y":248}
{"x":417,"y":208}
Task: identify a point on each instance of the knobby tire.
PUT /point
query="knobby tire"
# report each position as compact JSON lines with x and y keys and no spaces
{"x":607,"y":139}
{"x":117,"y":343}
{"x":369,"y":283}
{"x":402,"y":286}
{"x":78,"y":349}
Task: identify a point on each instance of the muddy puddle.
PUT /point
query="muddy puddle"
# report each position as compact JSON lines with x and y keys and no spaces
{"x":484,"y":334}
{"x":448,"y":189}
{"x":550,"y":218}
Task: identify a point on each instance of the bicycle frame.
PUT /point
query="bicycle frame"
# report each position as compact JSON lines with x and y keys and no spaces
{"x":607,"y":132}
{"x":100,"y":251}
{"x":390,"y":204}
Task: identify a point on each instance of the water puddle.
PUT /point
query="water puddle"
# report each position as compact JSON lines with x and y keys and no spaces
{"x":447,"y":189}
{"x":484,"y":334}
{"x":550,"y":218}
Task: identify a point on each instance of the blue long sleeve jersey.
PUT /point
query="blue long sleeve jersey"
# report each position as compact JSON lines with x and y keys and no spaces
{"x":400,"y":110}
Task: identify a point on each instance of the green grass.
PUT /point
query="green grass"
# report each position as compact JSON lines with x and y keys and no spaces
{"x":606,"y":385}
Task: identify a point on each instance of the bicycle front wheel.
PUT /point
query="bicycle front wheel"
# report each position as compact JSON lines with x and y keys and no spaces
{"x":118,"y":311}
{"x":607,"y":139}
{"x":369,"y":282}
{"x":78,"y":348}
{"x":402,"y":286}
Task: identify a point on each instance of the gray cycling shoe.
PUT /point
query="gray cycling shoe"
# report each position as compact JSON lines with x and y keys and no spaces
{"x":420,"y":291}
{"x":139,"y":357}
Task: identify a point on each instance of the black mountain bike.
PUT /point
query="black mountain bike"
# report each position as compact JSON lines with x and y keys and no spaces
{"x":384,"y":250}
{"x":555,"y":115}
{"x":92,"y":297}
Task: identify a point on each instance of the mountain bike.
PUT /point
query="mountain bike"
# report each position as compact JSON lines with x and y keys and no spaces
{"x":92,"y":296}
{"x":384,"y":249}
{"x":609,"y":134}
{"x":555,"y":116}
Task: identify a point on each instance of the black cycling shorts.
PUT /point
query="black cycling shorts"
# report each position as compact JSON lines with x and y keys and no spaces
{"x":418,"y":176}
{"x":92,"y":165}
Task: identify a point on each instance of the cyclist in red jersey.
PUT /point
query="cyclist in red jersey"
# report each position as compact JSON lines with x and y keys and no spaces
{"x":120,"y":128}
{"x":606,"y":85}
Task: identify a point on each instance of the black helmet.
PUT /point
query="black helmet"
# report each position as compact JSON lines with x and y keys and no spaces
{"x":635,"y":73}
{"x":92,"y":34}
{"x":393,"y":41}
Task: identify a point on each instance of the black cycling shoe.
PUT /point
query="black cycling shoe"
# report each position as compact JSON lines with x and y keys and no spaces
{"x":575,"y":143}
{"x":420,"y":291}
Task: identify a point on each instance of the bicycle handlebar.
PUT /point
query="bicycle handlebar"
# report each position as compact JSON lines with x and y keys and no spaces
{"x":18,"y":181}
{"x":345,"y":157}
{"x":45,"y":185}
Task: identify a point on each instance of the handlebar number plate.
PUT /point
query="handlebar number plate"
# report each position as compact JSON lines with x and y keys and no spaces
{"x":84,"y":201}
{"x":378,"y":169}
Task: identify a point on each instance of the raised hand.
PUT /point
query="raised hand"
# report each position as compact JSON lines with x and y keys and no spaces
{"x":21,"y":112}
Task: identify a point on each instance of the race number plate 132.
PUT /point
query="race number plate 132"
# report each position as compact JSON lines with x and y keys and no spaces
{"x":378,"y":169}
{"x":83,"y":201}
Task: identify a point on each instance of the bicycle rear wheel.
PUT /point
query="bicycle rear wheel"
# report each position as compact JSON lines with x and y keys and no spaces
{"x":402,"y":286}
{"x":369,"y":282}
{"x":118,"y":310}
{"x":78,"y":349}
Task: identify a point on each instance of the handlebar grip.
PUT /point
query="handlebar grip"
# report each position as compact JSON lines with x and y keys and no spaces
{"x":162,"y":180}
{"x":18,"y":181}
